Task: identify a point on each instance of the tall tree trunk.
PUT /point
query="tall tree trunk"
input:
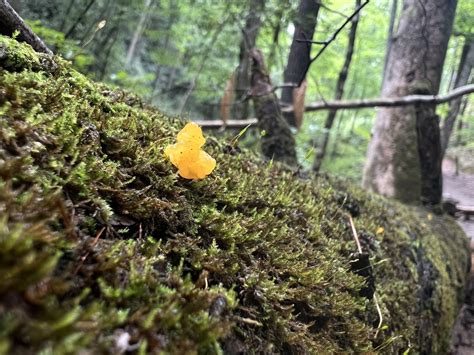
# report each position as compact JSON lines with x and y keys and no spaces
{"x":391,"y":26}
{"x":81,"y":16}
{"x":299,"y":57}
{"x":341,"y":82}
{"x":108,"y":51}
{"x":462,"y":78}
{"x":205,"y":54}
{"x":404,"y":155}
{"x":10,"y":22}
{"x":249,"y":38}
{"x":277,"y":142}
{"x":66,"y":15}
{"x":275,"y":38}
{"x":138,"y":32}
{"x":172,"y":18}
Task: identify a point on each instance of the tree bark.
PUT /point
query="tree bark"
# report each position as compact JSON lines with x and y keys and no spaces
{"x":275,"y":39}
{"x":138,"y":32}
{"x":249,"y":38}
{"x":66,"y":15}
{"x":462,"y":78}
{"x":206,"y":53}
{"x":299,"y":57}
{"x":174,"y":15}
{"x":79,"y":19}
{"x":277,"y":141}
{"x":341,"y":82}
{"x":404,"y":155}
{"x":10,"y":22}
{"x":391,"y":26}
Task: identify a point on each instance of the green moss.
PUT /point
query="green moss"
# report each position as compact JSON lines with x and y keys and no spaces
{"x":99,"y":237}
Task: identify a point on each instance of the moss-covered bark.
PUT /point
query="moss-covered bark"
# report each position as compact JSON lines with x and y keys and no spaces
{"x":103,"y":246}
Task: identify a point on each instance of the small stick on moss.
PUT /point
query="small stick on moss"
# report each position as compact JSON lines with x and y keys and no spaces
{"x":359,"y":248}
{"x":249,"y":321}
{"x":83,"y":258}
{"x":379,"y":311}
{"x":354,"y":233}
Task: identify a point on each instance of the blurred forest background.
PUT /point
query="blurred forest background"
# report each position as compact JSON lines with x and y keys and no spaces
{"x":181,"y":55}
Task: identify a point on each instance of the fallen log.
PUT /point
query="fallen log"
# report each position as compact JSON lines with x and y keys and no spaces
{"x":103,"y":247}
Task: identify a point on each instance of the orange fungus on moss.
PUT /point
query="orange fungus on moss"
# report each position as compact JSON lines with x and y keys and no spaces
{"x":186,"y":154}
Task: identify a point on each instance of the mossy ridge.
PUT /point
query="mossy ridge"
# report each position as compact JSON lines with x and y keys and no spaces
{"x":106,"y":237}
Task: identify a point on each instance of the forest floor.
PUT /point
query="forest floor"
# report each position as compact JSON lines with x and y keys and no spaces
{"x":460,"y":187}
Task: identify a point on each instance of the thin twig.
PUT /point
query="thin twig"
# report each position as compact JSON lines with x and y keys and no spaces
{"x":354,"y":233}
{"x":249,"y":321}
{"x":324,"y":44}
{"x":331,"y":39}
{"x":374,"y":297}
{"x":94,"y":242}
{"x":379,"y":311}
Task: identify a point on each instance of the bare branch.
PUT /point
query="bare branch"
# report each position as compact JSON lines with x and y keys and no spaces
{"x":324,"y":44}
{"x":10,"y":22}
{"x":232,"y":124}
{"x":331,"y":39}
{"x":353,"y":104}
{"x":390,"y":101}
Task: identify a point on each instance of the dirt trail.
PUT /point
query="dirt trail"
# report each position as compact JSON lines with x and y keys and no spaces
{"x":460,"y":187}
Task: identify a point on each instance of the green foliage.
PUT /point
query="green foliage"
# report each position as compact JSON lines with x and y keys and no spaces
{"x":100,"y":239}
{"x":68,"y":48}
{"x":192,"y":47}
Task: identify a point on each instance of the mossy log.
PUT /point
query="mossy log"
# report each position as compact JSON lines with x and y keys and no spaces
{"x":104,"y":248}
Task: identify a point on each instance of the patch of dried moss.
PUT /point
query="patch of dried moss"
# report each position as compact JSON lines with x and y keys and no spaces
{"x":99,"y":238}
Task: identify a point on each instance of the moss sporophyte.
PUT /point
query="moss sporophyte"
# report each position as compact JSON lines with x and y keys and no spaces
{"x":186,"y":154}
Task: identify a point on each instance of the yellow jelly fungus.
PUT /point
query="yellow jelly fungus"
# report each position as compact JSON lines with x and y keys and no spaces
{"x":186,"y":154}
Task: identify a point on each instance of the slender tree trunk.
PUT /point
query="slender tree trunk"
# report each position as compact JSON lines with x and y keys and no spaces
{"x":278,"y":142}
{"x":174,"y":13}
{"x":453,"y":69}
{"x":337,"y":135}
{"x":275,"y":39}
{"x":108,"y":51}
{"x":66,"y":15}
{"x":138,"y":32}
{"x":206,"y":53}
{"x":10,"y":22}
{"x":79,"y":18}
{"x":404,"y":155}
{"x":299,"y":57}
{"x":341,"y":82}
{"x":462,"y":78}
{"x":249,"y":38}
{"x":391,"y":26}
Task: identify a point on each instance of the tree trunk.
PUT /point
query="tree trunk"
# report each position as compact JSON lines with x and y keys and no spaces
{"x":138,"y":32}
{"x":391,"y":26}
{"x":299,"y":57}
{"x":341,"y":82}
{"x":277,"y":141}
{"x":462,"y":78}
{"x":79,"y":19}
{"x":206,"y":53}
{"x":66,"y":15}
{"x":404,"y":155}
{"x":173,"y":17}
{"x":276,"y":30}
{"x":10,"y":22}
{"x":249,"y":38}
